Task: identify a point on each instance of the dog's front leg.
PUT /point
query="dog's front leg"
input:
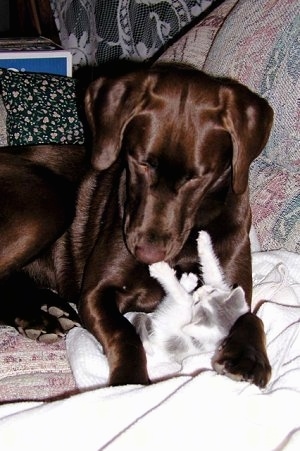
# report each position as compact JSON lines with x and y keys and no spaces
{"x":123,"y":348}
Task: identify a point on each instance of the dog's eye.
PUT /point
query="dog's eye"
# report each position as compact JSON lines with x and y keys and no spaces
{"x":149,"y":164}
{"x":188,"y":180}
{"x":190,"y":176}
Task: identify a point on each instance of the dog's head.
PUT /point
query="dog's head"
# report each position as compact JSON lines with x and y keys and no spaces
{"x":183,"y":135}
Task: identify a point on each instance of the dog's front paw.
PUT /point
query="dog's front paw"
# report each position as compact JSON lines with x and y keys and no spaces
{"x":247,"y":364}
{"x":243,"y":357}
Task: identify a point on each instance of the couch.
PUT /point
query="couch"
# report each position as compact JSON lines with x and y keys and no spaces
{"x":257,"y":43}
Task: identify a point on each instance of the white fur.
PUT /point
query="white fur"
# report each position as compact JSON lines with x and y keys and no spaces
{"x":190,"y":320}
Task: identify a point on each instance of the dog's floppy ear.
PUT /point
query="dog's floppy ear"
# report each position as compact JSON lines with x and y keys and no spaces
{"x":248,"y":118}
{"x":110,"y":103}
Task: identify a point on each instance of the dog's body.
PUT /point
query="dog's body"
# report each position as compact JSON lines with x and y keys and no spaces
{"x":171,"y":153}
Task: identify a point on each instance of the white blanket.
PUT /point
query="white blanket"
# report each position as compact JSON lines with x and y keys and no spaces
{"x":206,"y":411}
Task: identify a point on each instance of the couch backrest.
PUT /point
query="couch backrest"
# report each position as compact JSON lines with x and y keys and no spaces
{"x":257,"y":43}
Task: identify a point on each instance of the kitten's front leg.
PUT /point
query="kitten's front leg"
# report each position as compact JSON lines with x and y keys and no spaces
{"x":166,"y":276}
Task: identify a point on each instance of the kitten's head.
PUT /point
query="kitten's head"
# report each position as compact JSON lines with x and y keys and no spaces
{"x":214,"y":312}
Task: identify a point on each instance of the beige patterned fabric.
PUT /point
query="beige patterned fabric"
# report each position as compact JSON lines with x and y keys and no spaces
{"x":192,"y":48}
{"x":259,"y":46}
{"x":31,"y":370}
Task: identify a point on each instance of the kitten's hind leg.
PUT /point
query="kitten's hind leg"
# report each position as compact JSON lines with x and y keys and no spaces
{"x":189,"y":281}
{"x":211,"y":269}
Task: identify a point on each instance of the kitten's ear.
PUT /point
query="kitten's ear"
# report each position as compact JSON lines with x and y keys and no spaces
{"x":237,"y":301}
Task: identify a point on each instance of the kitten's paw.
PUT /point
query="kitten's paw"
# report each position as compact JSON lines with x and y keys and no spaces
{"x":203,"y":293}
{"x":161,"y":270}
{"x":189,"y":281}
{"x":203,"y":241}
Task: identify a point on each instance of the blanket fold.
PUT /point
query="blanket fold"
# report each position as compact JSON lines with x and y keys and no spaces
{"x":183,"y":411}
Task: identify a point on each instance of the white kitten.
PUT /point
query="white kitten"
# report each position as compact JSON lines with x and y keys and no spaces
{"x":190,"y":320}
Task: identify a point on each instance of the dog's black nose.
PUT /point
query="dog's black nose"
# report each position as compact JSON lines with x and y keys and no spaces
{"x":148,"y":253}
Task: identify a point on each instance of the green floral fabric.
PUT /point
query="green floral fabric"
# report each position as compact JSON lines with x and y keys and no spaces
{"x":41,"y":108}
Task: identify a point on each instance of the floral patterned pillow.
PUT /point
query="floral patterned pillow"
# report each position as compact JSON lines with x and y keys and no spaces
{"x":41,"y":108}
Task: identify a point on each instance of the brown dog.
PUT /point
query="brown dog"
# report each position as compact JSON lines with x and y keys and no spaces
{"x":171,"y":153}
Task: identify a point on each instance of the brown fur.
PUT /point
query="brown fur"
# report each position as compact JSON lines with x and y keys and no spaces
{"x":171,"y":155}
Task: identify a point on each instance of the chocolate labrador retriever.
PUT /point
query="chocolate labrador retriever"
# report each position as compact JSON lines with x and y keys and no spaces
{"x":171,"y":153}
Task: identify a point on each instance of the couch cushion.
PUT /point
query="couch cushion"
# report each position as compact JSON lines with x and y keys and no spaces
{"x":41,"y":108}
{"x":192,"y":48}
{"x":259,"y":46}
{"x":31,"y":370}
